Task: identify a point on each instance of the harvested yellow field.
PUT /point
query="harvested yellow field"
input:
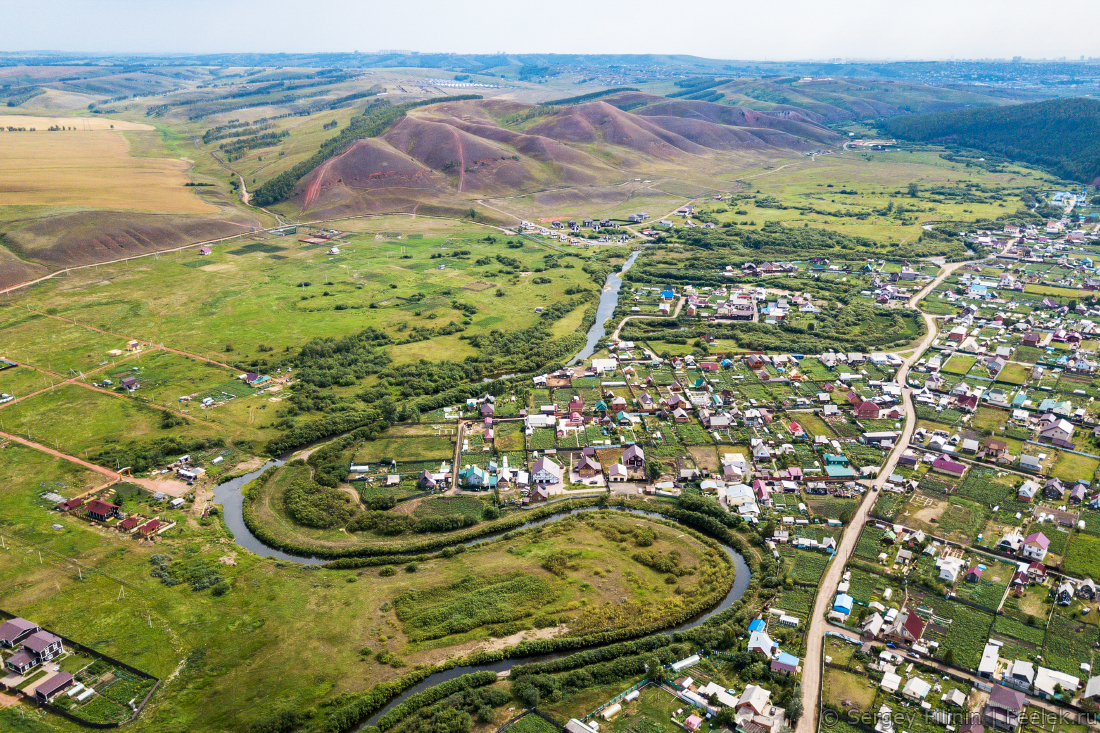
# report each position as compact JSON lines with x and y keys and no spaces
{"x":80,"y":123}
{"x":93,"y":170}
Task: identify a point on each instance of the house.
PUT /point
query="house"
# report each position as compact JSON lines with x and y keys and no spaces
{"x":943,"y":464}
{"x":203,"y":251}
{"x":1047,"y":682}
{"x":1087,"y":589}
{"x":949,"y":568}
{"x":693,"y":723}
{"x":785,"y":663}
{"x":867,"y":411}
{"x":1030,"y":463}
{"x":1019,"y":675}
{"x":990,"y":657}
{"x":101,"y":510}
{"x":916,"y":689}
{"x":44,"y":646}
{"x":760,"y":642}
{"x":872,"y":627}
{"x":149,"y":527}
{"x":1010,"y":543}
{"x":587,"y":466}
{"x":1004,"y":708}
{"x":906,"y":628}
{"x":545,"y":471}
{"x":21,"y":662}
{"x":51,"y":688}
{"x":754,"y":699}
{"x":634,"y":457}
{"x":974,"y":574}
{"x":617,"y":472}
{"x":1059,"y":433}
{"x":1028,"y":490}
{"x":1092,"y":689}
{"x":1063,"y":596}
{"x":994,"y":447}
{"x":1035,"y":546}
{"x":16,"y":630}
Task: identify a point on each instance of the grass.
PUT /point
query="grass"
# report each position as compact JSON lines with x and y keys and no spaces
{"x":1083,"y":558}
{"x":52,"y":345}
{"x":1014,"y":374}
{"x":989,"y":419}
{"x":269,"y":602}
{"x":532,"y":724}
{"x":251,"y":300}
{"x":959,"y":364}
{"x":76,"y":419}
{"x":1071,"y":467}
{"x":840,"y":685}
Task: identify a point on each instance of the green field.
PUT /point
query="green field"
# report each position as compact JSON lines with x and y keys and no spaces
{"x":959,"y":364}
{"x":76,"y":419}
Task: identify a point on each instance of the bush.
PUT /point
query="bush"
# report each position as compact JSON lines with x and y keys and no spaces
{"x":388,"y":571}
{"x":412,"y":567}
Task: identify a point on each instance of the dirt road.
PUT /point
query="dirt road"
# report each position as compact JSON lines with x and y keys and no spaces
{"x":58,"y":454}
{"x":811,"y":672}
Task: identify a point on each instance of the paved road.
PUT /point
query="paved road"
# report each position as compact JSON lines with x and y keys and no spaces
{"x":811,"y":672}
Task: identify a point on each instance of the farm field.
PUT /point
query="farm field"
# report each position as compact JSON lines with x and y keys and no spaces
{"x":70,"y":169}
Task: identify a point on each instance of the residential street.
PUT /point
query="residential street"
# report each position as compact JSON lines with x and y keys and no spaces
{"x":811,"y":671}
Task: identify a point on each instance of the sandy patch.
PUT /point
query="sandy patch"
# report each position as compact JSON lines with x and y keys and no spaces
{"x":218,"y":267}
{"x":172,"y":487}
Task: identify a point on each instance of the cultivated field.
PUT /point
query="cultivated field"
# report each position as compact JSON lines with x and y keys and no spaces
{"x":91,"y":170}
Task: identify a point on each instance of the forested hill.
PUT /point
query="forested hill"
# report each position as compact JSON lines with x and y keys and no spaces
{"x":1060,"y":135}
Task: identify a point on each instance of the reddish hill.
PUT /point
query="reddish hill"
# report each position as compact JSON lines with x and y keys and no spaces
{"x":369,"y":163}
{"x":456,"y":150}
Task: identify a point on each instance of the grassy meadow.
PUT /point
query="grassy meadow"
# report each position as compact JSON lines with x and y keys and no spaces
{"x":231,"y":659}
{"x":279,"y":292}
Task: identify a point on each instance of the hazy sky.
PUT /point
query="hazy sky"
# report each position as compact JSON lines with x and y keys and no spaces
{"x":728,"y":29}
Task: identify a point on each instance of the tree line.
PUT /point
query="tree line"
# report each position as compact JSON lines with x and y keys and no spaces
{"x":1059,"y":135}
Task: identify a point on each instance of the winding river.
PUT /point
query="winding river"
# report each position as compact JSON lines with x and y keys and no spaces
{"x":229,"y":496}
{"x":609,"y":299}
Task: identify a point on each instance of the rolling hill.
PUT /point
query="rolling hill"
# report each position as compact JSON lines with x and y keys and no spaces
{"x":463,"y":149}
{"x":1060,"y":135}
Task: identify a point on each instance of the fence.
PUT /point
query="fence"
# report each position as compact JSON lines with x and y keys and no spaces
{"x":77,"y":646}
{"x":524,"y":714}
{"x":616,"y":699}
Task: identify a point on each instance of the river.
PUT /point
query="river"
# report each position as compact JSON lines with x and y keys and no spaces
{"x":609,"y":299}
{"x":228,"y":495}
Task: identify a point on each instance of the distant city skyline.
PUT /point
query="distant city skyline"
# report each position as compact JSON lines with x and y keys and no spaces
{"x":795,"y":30}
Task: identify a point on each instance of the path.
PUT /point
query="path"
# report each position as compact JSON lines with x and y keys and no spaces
{"x":811,"y":673}
{"x":455,"y":467}
{"x":58,"y":454}
{"x":674,"y":314}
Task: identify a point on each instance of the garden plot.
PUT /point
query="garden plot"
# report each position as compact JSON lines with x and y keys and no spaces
{"x":404,"y":443}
